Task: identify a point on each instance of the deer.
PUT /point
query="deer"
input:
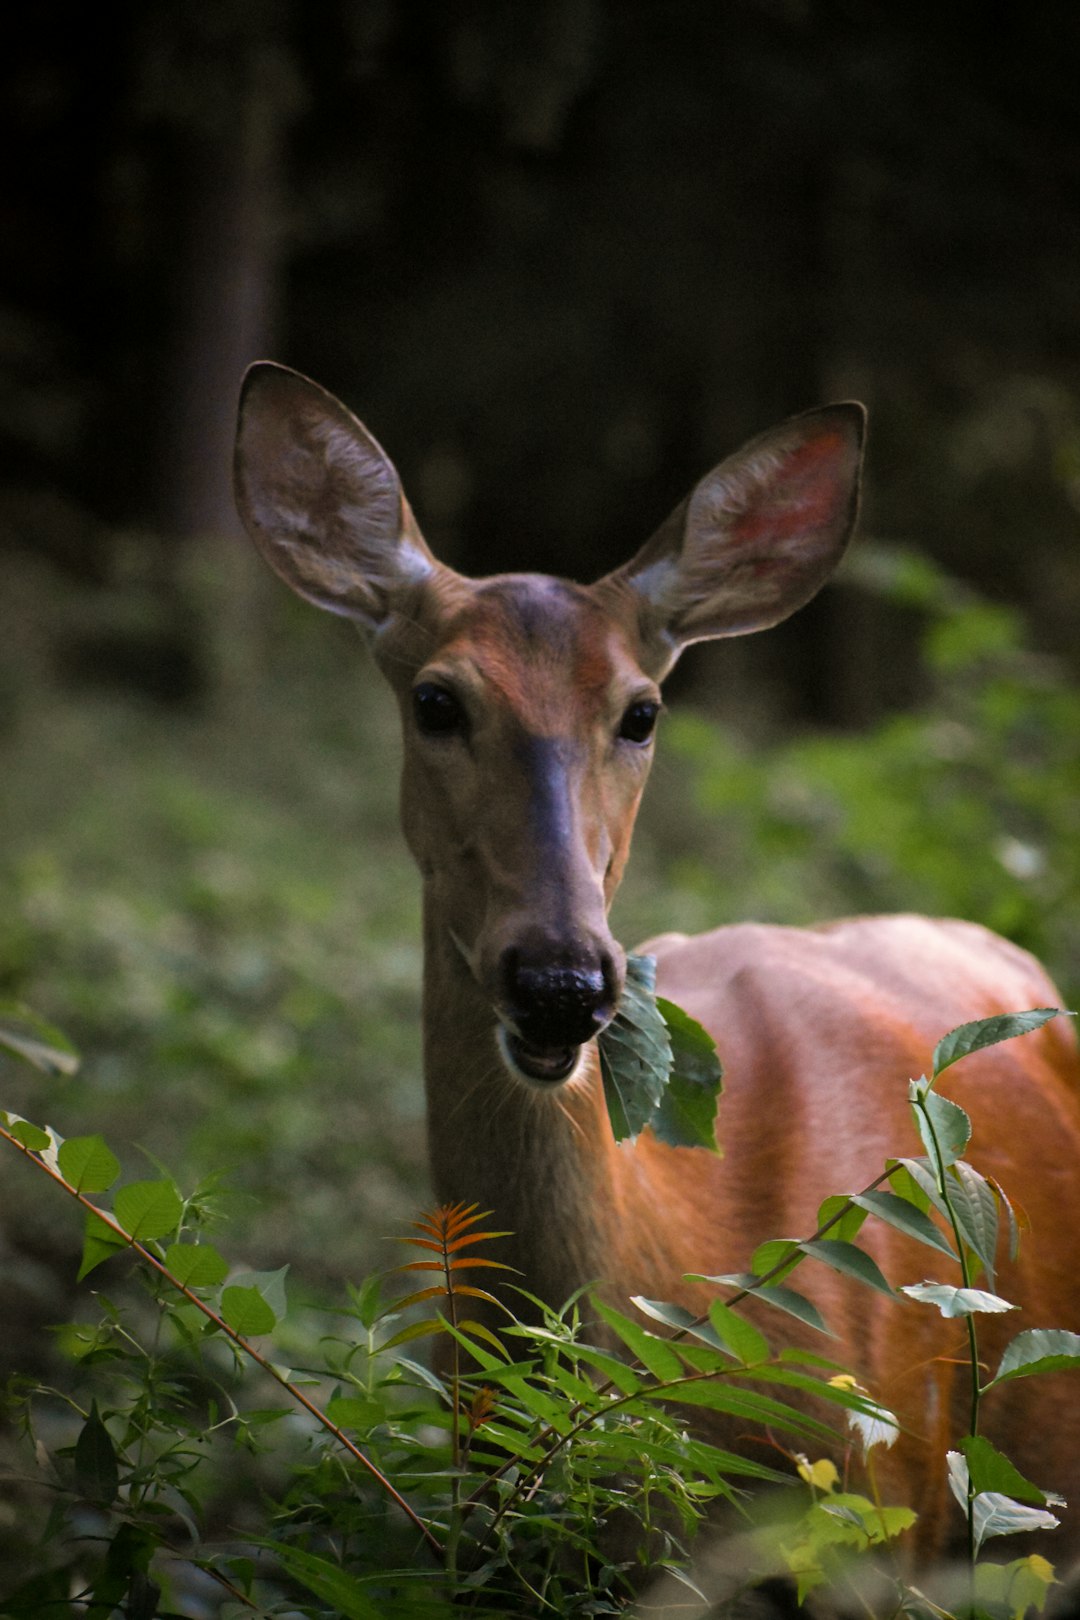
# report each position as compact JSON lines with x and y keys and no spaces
{"x":529,"y":707}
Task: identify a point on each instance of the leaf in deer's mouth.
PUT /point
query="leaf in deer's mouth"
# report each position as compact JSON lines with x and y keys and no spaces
{"x":659,"y":1066}
{"x":635,"y":1052}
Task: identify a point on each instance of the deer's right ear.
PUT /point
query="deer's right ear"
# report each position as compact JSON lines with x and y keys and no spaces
{"x":322,"y":500}
{"x":754,"y":540}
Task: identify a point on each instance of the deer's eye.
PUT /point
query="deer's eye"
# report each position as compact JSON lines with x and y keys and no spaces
{"x":438,"y":712}
{"x":639,"y":721}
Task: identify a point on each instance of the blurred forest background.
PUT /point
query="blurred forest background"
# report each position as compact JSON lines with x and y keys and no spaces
{"x":561,"y":257}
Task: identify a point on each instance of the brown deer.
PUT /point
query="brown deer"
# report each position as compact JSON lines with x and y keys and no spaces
{"x":528,"y":706}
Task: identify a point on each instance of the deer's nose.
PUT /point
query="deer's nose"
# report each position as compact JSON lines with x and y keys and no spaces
{"x":558,"y":1003}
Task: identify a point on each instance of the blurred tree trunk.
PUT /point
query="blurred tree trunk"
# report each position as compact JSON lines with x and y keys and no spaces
{"x":226,"y":298}
{"x":225,"y":313}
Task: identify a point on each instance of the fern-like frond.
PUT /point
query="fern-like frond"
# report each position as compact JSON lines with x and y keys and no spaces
{"x":444,"y":1232}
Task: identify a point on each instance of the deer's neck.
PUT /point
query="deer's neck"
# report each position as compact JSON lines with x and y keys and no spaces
{"x":543,"y":1162}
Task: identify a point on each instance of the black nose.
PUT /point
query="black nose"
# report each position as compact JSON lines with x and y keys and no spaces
{"x":557,"y":1004}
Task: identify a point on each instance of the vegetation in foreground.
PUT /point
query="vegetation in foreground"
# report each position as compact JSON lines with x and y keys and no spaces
{"x":503,"y":1482}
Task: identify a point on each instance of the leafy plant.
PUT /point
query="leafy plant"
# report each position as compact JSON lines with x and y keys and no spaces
{"x":506,"y":1478}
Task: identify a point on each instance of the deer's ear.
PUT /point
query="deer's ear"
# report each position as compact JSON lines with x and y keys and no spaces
{"x":755,"y":539}
{"x":322,"y":500}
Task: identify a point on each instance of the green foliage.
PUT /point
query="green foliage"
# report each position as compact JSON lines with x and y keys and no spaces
{"x":659,"y":1067}
{"x":184,"y":896}
{"x":496,"y":1481}
{"x":1039,"y":1350}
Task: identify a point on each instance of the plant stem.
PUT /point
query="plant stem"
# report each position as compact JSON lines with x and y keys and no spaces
{"x":965,"y":1279}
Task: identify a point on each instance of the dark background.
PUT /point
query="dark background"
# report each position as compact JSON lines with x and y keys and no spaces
{"x":561,"y":257}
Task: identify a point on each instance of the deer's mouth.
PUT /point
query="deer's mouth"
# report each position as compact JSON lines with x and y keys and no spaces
{"x":539,"y":1065}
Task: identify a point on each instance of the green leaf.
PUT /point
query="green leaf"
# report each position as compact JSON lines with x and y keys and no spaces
{"x":943,"y":1125}
{"x":653,"y":1353}
{"x":148,"y":1209}
{"x":270,"y":1284}
{"x":97,"y":1473}
{"x":659,"y":1067}
{"x":1015,"y":1589}
{"x":952,"y":1301}
{"x":849,"y":1223}
{"x":534,"y":1399}
{"x":100,"y":1243}
{"x":241,"y":1571}
{"x":725,"y":1329}
{"x":999,"y":1515}
{"x":738,"y":1335}
{"x":196,"y":1265}
{"x":1038,"y":1350}
{"x":477,"y":1330}
{"x":906,"y":1217}
{"x":720,"y":1395}
{"x":777,"y":1295}
{"x":36,"y":1042}
{"x":355,"y":1411}
{"x":878,"y":1524}
{"x":672,"y":1316}
{"x":414,"y":1330}
{"x":31,"y":1136}
{"x":246,"y":1311}
{"x":904,"y":1184}
{"x":785,"y":1253}
{"x":366,"y":1301}
{"x":326,"y":1581}
{"x":988,"y":1470}
{"x":686,"y":1113}
{"x":1012,"y":1225}
{"x":716,"y":1463}
{"x":849,"y":1260}
{"x":923,"y":1176}
{"x":976,"y":1211}
{"x":841,"y":1390}
{"x":88,"y":1164}
{"x":610,"y":1367}
{"x":123,"y":1583}
{"x":635,"y":1052}
{"x":491,"y":1365}
{"x":679,"y":1318}
{"x":988,"y":1032}
{"x":704,"y":1353}
{"x":994,"y":1513}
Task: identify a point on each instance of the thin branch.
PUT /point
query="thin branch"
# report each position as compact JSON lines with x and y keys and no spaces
{"x":241,"y":1343}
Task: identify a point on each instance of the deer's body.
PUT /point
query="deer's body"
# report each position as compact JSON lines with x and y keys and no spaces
{"x":528,"y":705}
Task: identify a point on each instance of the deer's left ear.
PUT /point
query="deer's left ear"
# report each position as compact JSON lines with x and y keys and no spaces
{"x":322,"y":500}
{"x":755,"y":539}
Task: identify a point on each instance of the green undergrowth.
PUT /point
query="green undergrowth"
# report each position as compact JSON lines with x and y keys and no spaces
{"x":540,"y":1467}
{"x":217,"y":907}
